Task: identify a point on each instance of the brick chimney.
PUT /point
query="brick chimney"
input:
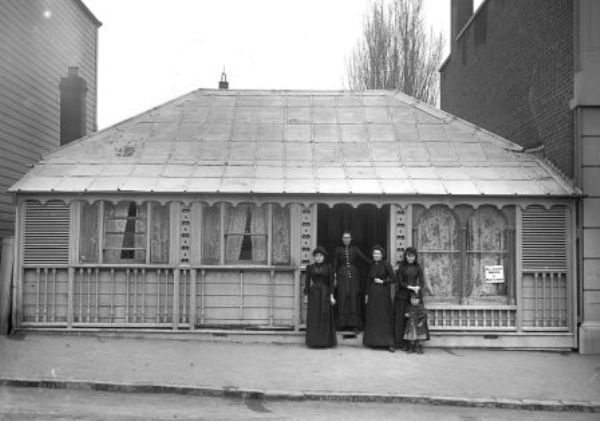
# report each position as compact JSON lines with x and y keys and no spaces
{"x":223,"y":84}
{"x":73,"y":90}
{"x":460,"y":13}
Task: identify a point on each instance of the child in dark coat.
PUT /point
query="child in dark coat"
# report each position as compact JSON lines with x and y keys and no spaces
{"x":417,"y":329}
{"x":411,"y":280}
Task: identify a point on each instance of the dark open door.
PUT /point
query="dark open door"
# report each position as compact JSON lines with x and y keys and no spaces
{"x":367,"y":223}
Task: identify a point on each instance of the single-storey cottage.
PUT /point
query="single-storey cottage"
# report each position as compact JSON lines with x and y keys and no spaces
{"x":202,"y":212}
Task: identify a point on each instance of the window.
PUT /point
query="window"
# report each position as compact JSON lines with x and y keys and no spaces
{"x":281,"y":235}
{"x":89,"y":233}
{"x":159,"y":222}
{"x":438,"y":245}
{"x":460,"y":248}
{"x":124,"y":232}
{"x":130,"y":232}
{"x":211,"y":221}
{"x":487,"y":245}
{"x":245,"y":234}
{"x":249,"y":234}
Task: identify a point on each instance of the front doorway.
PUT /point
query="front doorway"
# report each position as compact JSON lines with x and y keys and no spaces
{"x":368,"y":226}
{"x":367,"y":223}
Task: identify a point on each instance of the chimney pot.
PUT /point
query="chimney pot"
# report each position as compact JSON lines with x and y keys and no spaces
{"x":223,"y":84}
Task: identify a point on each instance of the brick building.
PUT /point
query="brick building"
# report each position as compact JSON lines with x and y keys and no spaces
{"x":528,"y":71}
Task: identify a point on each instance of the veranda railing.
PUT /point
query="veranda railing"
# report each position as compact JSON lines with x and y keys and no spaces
{"x":167,"y":297}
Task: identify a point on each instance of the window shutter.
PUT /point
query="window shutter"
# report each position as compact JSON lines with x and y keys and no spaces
{"x":544,"y":238}
{"x":46,"y":233}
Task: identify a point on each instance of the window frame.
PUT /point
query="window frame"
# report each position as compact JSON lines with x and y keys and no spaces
{"x":102,"y":235}
{"x":506,"y":255}
{"x":268,"y":235}
{"x":453,"y":254}
{"x":129,"y":219}
{"x":222,"y":235}
{"x":462,"y":215}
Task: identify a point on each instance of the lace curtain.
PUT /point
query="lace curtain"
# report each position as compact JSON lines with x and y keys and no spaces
{"x":160,"y":233}
{"x":486,"y":243}
{"x":245,"y":234}
{"x":438,"y":242}
{"x":211,"y":222}
{"x":126,"y":227}
{"x":281,"y":235}
{"x":125,"y":232}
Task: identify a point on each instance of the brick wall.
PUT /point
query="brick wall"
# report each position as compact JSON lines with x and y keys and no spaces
{"x":511,"y":72}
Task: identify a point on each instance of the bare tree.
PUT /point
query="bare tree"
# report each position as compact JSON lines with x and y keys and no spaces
{"x":395,"y":52}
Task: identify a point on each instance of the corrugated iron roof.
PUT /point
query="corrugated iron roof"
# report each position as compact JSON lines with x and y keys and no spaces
{"x":370,"y":142}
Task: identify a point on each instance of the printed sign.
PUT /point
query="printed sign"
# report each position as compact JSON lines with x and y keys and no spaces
{"x":494,"y":274}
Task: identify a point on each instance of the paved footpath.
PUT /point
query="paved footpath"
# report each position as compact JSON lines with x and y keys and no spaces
{"x":506,"y":379}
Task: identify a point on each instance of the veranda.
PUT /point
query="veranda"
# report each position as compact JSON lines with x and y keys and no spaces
{"x":236,"y":262}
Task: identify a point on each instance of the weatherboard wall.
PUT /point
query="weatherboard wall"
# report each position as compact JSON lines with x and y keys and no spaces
{"x":39,"y":41}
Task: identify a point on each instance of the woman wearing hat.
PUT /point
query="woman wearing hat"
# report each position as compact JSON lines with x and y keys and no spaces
{"x":379,"y":331}
{"x":320,"y":324}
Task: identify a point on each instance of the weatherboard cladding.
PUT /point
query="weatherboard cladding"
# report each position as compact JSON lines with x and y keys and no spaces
{"x":332,"y":142}
{"x":39,"y":40}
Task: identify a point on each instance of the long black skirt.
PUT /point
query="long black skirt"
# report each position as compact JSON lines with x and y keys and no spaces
{"x":400,"y":306}
{"x":349,"y":298}
{"x":320,"y":322}
{"x":379,"y":330}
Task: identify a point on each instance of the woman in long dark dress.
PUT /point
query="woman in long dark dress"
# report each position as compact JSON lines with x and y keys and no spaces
{"x":320,"y":322}
{"x":379,"y":330}
{"x":410,"y":280}
{"x":349,"y":289}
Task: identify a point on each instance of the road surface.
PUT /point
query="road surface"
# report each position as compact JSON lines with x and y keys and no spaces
{"x":49,"y":404}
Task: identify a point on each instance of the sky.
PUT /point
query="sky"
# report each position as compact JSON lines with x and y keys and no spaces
{"x":151,"y":51}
